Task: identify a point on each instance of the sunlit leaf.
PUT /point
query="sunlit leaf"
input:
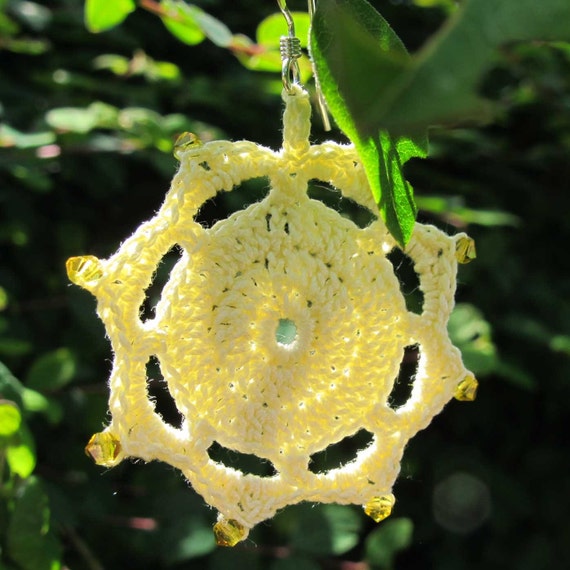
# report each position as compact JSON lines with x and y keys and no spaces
{"x":10,"y":136}
{"x":117,"y":64}
{"x":33,"y":401}
{"x":10,"y":418}
{"x":181,"y":22}
{"x":191,"y":24}
{"x":265,"y":54}
{"x":270,"y":29}
{"x":140,"y":64}
{"x":83,"y":120}
{"x":100,"y":15}
{"x":447,"y":5}
{"x":20,"y":454}
{"x":164,"y":70}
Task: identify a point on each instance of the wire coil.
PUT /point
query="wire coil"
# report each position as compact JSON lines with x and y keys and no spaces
{"x":290,"y":49}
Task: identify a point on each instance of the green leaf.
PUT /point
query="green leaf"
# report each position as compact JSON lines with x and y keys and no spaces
{"x":387,"y":540}
{"x":447,"y":5}
{"x":100,"y":15}
{"x":10,"y":387}
{"x":83,"y":120}
{"x":186,"y":531}
{"x":180,"y":21}
{"x":7,"y":26}
{"x":117,"y":64}
{"x":26,"y":398}
{"x":51,"y":371}
{"x":33,"y":401}
{"x":20,"y":454}
{"x":10,"y":136}
{"x":217,"y":32}
{"x":454,"y":208}
{"x":21,"y":459}
{"x":471,"y":333}
{"x":440,"y":85}
{"x":14,"y":347}
{"x":10,"y":418}
{"x":265,"y":54}
{"x":32,"y":14}
{"x":191,"y":24}
{"x":349,"y":41}
{"x":190,"y":537}
{"x":270,"y":29}
{"x":29,"y":541}
{"x":326,"y":529}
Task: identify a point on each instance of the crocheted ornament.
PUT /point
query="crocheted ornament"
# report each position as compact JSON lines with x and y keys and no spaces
{"x":217,"y":333}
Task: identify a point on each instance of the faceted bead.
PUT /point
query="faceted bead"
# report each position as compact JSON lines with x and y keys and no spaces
{"x":84,"y":270}
{"x":379,"y":508}
{"x":103,"y":448}
{"x":229,"y":532}
{"x":185,"y":141}
{"x":465,"y":251}
{"x":466,"y":390}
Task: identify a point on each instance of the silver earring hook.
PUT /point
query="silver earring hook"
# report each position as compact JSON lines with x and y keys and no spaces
{"x":288,"y":17}
{"x":290,"y":48}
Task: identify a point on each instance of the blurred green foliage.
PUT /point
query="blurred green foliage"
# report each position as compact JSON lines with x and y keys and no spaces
{"x":88,"y":120}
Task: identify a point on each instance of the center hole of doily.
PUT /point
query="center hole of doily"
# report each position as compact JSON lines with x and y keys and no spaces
{"x":286,"y":332}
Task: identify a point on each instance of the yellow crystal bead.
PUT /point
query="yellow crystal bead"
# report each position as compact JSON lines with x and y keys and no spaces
{"x":465,"y":251}
{"x":379,"y":508}
{"x":103,"y":448}
{"x":466,"y":389}
{"x":229,"y":532}
{"x":84,"y":270}
{"x":185,"y":141}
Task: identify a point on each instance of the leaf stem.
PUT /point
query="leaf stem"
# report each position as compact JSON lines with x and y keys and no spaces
{"x":83,"y":549}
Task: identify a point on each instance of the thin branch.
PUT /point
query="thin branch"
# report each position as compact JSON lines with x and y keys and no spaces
{"x":91,"y":561}
{"x":235,"y":47}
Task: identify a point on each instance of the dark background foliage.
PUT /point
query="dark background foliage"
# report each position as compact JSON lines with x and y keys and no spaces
{"x":485,"y":486}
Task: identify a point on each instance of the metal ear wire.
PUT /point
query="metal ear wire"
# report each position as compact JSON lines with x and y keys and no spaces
{"x":290,"y":48}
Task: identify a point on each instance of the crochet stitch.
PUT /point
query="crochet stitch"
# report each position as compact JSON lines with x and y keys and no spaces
{"x":287,"y":260}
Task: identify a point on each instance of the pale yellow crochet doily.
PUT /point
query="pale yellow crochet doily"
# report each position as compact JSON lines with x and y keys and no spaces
{"x":287,"y":259}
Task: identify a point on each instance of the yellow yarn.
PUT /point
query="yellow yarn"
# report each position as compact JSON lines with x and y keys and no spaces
{"x":285,"y":259}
